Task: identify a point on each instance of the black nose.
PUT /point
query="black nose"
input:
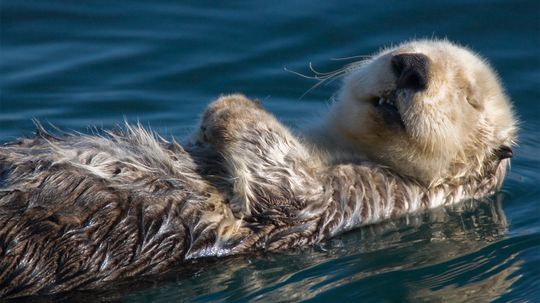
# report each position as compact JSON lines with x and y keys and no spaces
{"x":411,"y":70}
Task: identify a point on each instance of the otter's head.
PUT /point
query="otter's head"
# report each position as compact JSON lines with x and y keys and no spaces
{"x":428,"y":109}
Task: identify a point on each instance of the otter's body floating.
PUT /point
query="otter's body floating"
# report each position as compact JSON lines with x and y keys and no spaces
{"x":418,"y":126}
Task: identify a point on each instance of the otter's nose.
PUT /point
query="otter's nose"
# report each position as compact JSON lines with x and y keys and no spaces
{"x":411,"y":70}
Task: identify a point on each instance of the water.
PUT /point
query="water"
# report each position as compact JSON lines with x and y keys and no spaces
{"x":76,"y":64}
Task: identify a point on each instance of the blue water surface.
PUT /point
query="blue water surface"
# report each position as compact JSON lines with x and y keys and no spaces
{"x":95,"y":63}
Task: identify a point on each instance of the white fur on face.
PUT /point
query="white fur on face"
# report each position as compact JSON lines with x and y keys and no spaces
{"x":460,"y":118}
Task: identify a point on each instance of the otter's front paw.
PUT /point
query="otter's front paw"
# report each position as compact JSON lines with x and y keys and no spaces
{"x":226,"y":118}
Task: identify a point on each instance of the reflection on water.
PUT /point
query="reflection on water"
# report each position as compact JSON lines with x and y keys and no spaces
{"x":493,"y":287}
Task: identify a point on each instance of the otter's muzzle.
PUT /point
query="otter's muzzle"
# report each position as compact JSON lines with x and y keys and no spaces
{"x":411,"y":71}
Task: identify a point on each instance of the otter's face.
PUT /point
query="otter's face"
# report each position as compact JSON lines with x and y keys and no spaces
{"x":426,"y":108}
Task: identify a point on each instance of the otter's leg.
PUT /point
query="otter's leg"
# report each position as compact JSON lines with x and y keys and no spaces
{"x":270,"y":171}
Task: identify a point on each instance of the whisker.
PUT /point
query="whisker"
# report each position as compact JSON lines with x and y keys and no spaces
{"x":327,"y":78}
{"x":300,"y":74}
{"x":324,"y":77}
{"x":363,"y":57}
{"x":318,"y":73}
{"x":312,"y":88}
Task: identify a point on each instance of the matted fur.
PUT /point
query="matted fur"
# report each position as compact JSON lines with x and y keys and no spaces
{"x":77,"y":211}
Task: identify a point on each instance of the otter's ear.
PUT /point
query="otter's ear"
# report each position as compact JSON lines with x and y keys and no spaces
{"x":473,"y":95}
{"x":474,"y":99}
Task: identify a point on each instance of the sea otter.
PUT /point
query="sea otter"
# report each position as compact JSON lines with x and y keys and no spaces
{"x":416,"y":126}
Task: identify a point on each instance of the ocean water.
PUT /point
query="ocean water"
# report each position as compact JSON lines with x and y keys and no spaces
{"x":95,"y":63}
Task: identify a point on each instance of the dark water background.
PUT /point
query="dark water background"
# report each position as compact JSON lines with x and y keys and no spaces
{"x":81,"y":63}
